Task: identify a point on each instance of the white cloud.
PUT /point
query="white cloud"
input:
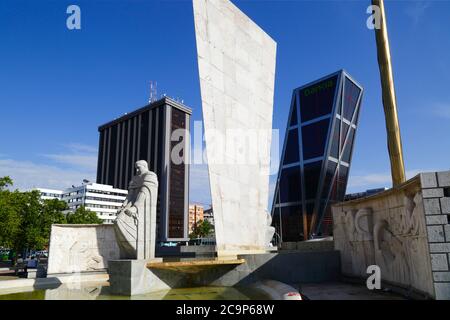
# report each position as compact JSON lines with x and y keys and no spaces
{"x":416,"y":10}
{"x":85,"y":161}
{"x":359,"y":183}
{"x":27,"y":175}
{"x":77,"y":155}
{"x":441,"y":110}
{"x":372,"y":180}
{"x":78,"y":147}
{"x":76,"y":163}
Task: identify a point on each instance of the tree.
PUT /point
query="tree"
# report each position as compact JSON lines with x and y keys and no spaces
{"x":5,"y":182}
{"x":83,"y":216}
{"x":25,"y":221}
{"x":202,"y":229}
{"x":52,"y":213}
{"x":10,"y":219}
{"x":35,"y":226}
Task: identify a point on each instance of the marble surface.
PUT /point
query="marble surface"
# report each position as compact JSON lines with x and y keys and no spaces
{"x":236,"y":61}
{"x":81,"y":248}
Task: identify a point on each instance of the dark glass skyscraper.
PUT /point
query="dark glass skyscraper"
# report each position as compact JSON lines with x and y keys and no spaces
{"x":146,"y":134}
{"x":316,"y":156}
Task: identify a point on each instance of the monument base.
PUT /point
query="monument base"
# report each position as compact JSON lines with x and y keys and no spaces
{"x":132,"y":277}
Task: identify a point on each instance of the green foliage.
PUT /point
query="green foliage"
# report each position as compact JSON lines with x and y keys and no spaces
{"x":25,"y":220}
{"x":53,"y":213}
{"x":5,"y":182}
{"x":10,"y":219}
{"x":202,"y":229}
{"x":36,"y":219}
{"x":83,"y":216}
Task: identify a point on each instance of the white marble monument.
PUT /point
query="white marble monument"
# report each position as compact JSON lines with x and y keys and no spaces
{"x":135,"y":224}
{"x":236,"y":61}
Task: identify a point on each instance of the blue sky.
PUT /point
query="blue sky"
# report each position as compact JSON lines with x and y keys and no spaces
{"x":57,"y":86}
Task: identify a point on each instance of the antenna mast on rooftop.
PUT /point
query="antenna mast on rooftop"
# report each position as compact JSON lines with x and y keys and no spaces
{"x":153,"y":92}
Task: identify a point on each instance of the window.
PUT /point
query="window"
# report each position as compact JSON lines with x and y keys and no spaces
{"x":314,"y":138}
{"x":293,"y":121}
{"x":349,"y":146}
{"x":329,"y":174}
{"x":291,"y":154}
{"x":351,"y":94}
{"x":317,"y":99}
{"x":292,"y":223}
{"x":290,"y":188}
{"x":335,"y":139}
{"x":344,"y":131}
{"x":312,"y":176}
{"x":342,"y":182}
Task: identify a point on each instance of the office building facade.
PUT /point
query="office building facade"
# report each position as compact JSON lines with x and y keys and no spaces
{"x":195,"y":215}
{"x":147,"y":134}
{"x":104,"y":200}
{"x":316,"y":156}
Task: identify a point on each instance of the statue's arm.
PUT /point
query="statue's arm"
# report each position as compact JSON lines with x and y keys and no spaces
{"x":127,"y":203}
{"x":139,"y":202}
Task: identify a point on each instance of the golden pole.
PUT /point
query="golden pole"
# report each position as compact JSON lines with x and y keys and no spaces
{"x":389,"y":99}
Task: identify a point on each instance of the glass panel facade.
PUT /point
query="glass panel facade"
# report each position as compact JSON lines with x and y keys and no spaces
{"x":177,"y":185}
{"x":291,"y":154}
{"x":290,"y":187}
{"x":112,"y":153}
{"x":292,"y":223}
{"x":312,"y":175}
{"x":344,"y":133}
{"x":329,"y":175}
{"x":317,"y":100}
{"x":342,"y":181}
{"x":334,"y":152}
{"x":314,"y":139}
{"x":351,"y":94}
{"x":313,"y":182}
{"x":294,"y":121}
{"x":143,"y":148}
{"x":348,"y":147}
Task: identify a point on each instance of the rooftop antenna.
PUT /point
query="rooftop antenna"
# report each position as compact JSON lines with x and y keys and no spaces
{"x":153,"y":92}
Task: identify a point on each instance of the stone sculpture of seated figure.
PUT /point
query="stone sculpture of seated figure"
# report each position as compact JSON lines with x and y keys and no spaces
{"x":135,"y":224}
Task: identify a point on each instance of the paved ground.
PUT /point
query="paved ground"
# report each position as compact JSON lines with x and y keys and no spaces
{"x":344,"y":291}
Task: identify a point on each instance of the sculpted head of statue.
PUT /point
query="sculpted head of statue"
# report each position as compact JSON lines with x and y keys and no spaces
{"x":141,"y":167}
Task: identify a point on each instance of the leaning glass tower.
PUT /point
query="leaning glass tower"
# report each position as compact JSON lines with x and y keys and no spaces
{"x":316,"y":156}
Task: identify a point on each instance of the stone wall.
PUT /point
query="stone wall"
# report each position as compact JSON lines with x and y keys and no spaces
{"x":81,"y":248}
{"x":436,"y":200}
{"x":404,"y":230}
